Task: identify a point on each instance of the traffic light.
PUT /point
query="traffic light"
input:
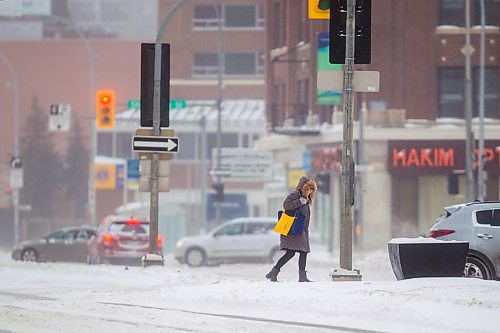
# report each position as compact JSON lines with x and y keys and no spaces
{"x":319,"y":9}
{"x":323,"y":182}
{"x":219,"y":192}
{"x":105,"y":108}
{"x":362,"y":31}
{"x":323,"y":4}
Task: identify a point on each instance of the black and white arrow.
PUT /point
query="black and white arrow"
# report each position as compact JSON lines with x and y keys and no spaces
{"x":156,"y":144}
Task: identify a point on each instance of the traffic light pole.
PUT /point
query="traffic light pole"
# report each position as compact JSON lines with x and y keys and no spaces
{"x":345,"y":271}
{"x":151,"y":258}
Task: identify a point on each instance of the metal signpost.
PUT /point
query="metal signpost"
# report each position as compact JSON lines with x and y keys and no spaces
{"x":353,"y":81}
{"x":151,"y":258}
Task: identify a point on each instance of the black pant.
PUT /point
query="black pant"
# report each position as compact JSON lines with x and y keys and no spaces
{"x":289,"y":255}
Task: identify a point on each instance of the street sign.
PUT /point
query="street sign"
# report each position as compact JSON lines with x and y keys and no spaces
{"x":159,"y":144}
{"x":177,"y":103}
{"x":363,"y":81}
{"x":59,"y":117}
{"x":16,"y":178}
{"x":165,"y":132}
{"x":244,"y":164}
{"x":134,"y":104}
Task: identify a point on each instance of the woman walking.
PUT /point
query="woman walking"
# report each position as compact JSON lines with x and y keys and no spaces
{"x":301,"y":198}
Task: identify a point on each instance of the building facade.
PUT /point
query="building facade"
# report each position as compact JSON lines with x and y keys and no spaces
{"x":418,"y":113}
{"x":46,"y":47}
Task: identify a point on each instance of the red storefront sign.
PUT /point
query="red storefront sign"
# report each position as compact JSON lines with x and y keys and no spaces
{"x":425,"y":157}
{"x":326,"y":158}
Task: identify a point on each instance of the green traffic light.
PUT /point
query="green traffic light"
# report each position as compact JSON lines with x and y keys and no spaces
{"x":324,"y":4}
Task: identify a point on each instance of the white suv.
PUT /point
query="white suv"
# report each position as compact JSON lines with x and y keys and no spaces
{"x":479,"y":224}
{"x":239,"y":240}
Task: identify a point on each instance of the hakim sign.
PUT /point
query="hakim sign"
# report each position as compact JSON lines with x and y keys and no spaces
{"x":426,"y":157}
{"x":423,"y":157}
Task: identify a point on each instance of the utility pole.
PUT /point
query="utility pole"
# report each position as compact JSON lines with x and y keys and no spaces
{"x":468,"y":108}
{"x":218,"y":207}
{"x":15,"y":189}
{"x":481,"y":186}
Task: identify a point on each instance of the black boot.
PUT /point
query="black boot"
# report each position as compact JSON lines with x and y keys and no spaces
{"x":273,"y":274}
{"x":303,"y":277}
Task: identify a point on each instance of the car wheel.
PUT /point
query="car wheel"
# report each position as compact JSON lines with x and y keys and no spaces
{"x":195,"y":257}
{"x":29,"y":255}
{"x":476,"y":268}
{"x":276,"y":253}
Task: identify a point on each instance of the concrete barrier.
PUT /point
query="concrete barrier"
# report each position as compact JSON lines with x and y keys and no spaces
{"x":427,"y":257}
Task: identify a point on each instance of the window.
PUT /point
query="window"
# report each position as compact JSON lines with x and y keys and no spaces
{"x":452,"y":12}
{"x":231,"y":229}
{"x":496,"y":218}
{"x":204,"y":16}
{"x":491,"y":12}
{"x":104,"y":144}
{"x":258,"y":228}
{"x":451,"y":92}
{"x":58,"y":235}
{"x":204,"y":64}
{"x":233,"y":64}
{"x":452,"y":87}
{"x":490,"y":92}
{"x":188,"y":150}
{"x":233,"y":16}
{"x":484,"y":217}
{"x":240,"y":64}
{"x":124,"y":145}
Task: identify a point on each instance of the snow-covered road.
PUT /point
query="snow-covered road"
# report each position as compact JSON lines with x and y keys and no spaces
{"x":57,"y":297}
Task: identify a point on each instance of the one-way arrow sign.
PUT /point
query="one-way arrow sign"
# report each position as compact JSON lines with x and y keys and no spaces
{"x":160,"y":144}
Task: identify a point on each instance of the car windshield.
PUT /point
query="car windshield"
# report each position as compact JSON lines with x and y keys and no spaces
{"x":129,"y":228}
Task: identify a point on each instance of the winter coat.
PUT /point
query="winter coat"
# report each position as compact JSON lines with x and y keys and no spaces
{"x":292,"y":202}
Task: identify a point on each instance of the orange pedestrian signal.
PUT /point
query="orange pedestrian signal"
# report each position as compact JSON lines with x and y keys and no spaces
{"x":319,"y":9}
{"x":105,"y":108}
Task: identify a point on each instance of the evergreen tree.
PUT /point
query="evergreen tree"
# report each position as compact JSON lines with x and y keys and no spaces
{"x":76,"y":173}
{"x":41,"y":165}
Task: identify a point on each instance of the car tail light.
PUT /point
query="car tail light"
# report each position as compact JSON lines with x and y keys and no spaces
{"x":440,"y":232}
{"x":133,"y":222}
{"x":107,"y":239}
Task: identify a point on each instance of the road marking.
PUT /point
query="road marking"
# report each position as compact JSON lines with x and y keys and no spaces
{"x":265,"y":320}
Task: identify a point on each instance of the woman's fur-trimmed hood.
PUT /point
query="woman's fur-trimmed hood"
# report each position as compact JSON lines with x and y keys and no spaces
{"x":305,"y":184}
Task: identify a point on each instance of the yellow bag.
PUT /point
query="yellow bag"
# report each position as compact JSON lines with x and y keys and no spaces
{"x":284,"y":224}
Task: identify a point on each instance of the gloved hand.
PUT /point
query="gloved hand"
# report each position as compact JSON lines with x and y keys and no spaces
{"x":303,"y":200}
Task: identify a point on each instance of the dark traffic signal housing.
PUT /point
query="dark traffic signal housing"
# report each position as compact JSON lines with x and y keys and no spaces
{"x":362,"y":31}
{"x":219,"y":192}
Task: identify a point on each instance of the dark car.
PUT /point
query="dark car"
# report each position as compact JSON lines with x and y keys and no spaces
{"x":66,"y":244}
{"x":121,"y":240}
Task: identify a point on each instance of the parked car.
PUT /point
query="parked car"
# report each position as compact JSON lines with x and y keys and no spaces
{"x":66,"y":244}
{"x":121,"y":240}
{"x":239,"y":240}
{"x":479,"y":224}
